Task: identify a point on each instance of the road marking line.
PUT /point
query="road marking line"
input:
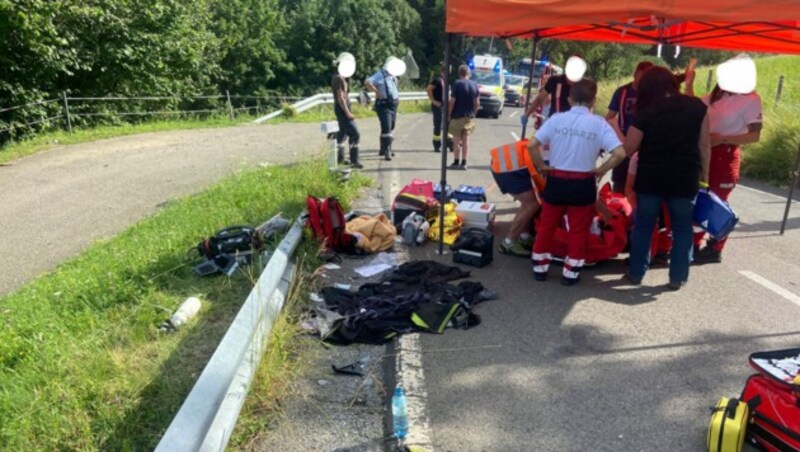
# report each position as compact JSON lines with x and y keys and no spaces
{"x":411,"y":376}
{"x":513,"y":114}
{"x":515,"y":136}
{"x":408,"y":364}
{"x":772,"y":286}
{"x":782,"y":198}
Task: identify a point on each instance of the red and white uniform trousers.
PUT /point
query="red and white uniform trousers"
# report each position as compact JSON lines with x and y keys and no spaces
{"x":723,"y":176}
{"x":572,"y":194}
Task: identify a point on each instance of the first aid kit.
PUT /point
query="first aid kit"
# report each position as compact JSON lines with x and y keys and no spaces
{"x":479,"y":215}
{"x":774,"y":397}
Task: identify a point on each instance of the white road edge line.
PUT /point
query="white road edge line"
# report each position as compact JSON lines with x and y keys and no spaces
{"x":772,"y":286}
{"x":782,"y":198}
{"x":515,"y":136}
{"x":513,"y":114}
{"x":408,"y":365}
{"x":411,"y":376}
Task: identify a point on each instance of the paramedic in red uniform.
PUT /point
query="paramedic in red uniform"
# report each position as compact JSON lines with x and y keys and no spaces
{"x":576,"y":138}
{"x":735,"y":119}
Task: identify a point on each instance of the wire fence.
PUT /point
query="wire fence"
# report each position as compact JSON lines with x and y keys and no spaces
{"x":68,"y":113}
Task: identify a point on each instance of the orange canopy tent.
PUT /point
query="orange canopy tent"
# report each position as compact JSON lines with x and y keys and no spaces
{"x":752,"y":25}
{"x":769,"y":26}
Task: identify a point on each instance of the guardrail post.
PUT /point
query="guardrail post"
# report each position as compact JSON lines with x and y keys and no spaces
{"x":230,"y":105}
{"x":780,"y":90}
{"x":66,"y":111}
{"x":708,"y":82}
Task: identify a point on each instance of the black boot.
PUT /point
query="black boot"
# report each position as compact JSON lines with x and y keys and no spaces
{"x":354,"y":158}
{"x":386,"y":148}
{"x":437,"y":145}
{"x":341,"y":159}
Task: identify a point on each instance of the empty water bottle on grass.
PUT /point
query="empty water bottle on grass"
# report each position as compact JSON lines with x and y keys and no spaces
{"x":399,"y":413}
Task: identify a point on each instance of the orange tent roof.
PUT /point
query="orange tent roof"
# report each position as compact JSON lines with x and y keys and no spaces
{"x":753,"y":25}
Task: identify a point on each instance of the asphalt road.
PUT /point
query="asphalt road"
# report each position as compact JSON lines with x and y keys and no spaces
{"x":599,"y":366}
{"x":56,"y":203}
{"x":602,"y":365}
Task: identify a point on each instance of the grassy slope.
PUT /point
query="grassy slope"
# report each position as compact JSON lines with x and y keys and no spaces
{"x":772,"y":158}
{"x":82,"y":365}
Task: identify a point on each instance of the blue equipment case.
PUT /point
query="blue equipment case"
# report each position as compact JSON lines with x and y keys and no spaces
{"x":470,"y":193}
{"x":714,"y":215}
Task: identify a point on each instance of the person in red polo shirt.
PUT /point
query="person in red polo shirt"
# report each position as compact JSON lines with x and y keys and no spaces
{"x":576,"y":139}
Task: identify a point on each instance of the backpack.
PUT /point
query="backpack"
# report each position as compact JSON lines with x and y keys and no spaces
{"x":327,"y":224}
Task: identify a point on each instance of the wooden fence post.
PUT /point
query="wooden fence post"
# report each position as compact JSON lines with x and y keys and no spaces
{"x":230,"y":105}
{"x":66,"y":111}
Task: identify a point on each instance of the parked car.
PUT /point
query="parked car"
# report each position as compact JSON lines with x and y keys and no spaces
{"x":515,"y":90}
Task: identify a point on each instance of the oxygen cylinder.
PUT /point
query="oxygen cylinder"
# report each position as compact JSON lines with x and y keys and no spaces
{"x":188,"y":309}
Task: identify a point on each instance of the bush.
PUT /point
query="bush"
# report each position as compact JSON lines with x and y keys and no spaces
{"x":772,"y":158}
{"x":288,"y":111}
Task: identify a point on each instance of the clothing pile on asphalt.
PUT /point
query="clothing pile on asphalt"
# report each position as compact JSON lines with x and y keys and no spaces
{"x":416,"y":296}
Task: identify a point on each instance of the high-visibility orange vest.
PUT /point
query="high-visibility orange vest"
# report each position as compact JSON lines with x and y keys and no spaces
{"x":506,"y":159}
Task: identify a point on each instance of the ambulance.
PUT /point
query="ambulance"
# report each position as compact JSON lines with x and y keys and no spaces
{"x":488,"y":73}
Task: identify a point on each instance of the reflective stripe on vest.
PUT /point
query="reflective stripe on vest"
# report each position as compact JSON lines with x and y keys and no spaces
{"x":511,"y":159}
{"x":515,"y":160}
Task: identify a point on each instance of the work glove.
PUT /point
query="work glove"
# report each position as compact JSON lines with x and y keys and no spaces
{"x":523,"y":120}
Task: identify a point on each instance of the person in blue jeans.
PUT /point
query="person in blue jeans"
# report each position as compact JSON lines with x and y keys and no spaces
{"x":671,"y":132}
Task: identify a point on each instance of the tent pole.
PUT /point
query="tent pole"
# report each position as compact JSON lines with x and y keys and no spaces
{"x":795,"y":174}
{"x":530,"y":78}
{"x":445,"y":127}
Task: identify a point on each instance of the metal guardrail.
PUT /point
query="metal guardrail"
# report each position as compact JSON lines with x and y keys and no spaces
{"x":207,"y":417}
{"x":327,"y":98}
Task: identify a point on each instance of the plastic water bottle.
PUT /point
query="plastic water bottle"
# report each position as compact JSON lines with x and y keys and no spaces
{"x":399,"y":413}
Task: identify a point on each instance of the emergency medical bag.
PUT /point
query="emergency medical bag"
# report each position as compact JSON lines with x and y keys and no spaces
{"x":470,"y":193}
{"x":726,"y":431}
{"x":231,"y":240}
{"x":714,"y":215}
{"x":608,"y":234}
{"x":327,"y":223}
{"x":774,"y":395}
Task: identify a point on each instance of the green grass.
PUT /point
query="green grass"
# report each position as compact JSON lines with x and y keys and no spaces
{"x":772,"y":158}
{"x":289,"y":355}
{"x":82,"y":365}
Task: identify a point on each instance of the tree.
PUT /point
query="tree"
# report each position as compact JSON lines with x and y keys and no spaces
{"x":318,"y":30}
{"x":247,"y":30}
